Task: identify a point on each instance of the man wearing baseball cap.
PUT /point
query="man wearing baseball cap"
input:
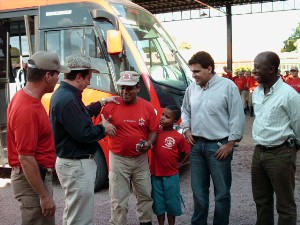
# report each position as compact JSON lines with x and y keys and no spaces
{"x":76,"y":140}
{"x":294,"y":80}
{"x":31,"y":149}
{"x":136,"y":124}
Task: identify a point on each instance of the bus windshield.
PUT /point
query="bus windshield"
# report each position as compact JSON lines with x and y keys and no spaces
{"x":159,"y":53}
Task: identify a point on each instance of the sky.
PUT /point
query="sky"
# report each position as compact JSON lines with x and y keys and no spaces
{"x":251,"y":34}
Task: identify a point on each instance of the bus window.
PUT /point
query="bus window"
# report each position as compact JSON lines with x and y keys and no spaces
{"x":122,"y":62}
{"x":53,"y":42}
{"x":81,"y":41}
{"x":19,"y":53}
{"x":160,"y":55}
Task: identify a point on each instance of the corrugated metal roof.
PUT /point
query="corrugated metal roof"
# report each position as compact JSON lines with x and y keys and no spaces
{"x":165,"y":6}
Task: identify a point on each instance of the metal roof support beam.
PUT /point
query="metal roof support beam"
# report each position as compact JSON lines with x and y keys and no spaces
{"x":229,"y":36}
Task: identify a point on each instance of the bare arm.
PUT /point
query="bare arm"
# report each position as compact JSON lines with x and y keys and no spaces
{"x":147,"y":144}
{"x":31,"y":171}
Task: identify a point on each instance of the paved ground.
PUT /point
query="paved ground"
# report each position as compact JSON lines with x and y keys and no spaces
{"x":243,"y":208}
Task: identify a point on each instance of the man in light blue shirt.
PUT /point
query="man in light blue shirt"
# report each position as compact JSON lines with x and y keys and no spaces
{"x":212,"y":120}
{"x":276,"y":133}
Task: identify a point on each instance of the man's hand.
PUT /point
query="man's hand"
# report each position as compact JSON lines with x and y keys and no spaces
{"x":189,"y":137}
{"x":31,"y":171}
{"x":109,"y":128}
{"x":224,"y":151}
{"x":113,"y":99}
{"x":143,"y":146}
{"x":47,"y":205}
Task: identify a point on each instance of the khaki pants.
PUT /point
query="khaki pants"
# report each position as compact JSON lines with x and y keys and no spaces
{"x":29,"y":199}
{"x":125,"y":174}
{"x":77,"y":178}
{"x":250,"y":103}
{"x":244,"y":96}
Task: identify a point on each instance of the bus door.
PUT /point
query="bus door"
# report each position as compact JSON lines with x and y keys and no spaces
{"x":4,"y":91}
{"x":16,"y":45}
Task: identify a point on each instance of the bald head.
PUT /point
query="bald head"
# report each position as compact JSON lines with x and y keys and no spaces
{"x":266,"y":67}
{"x":268,"y":59}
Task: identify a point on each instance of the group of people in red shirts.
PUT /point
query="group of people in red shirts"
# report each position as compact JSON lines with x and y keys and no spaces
{"x":246,"y":83}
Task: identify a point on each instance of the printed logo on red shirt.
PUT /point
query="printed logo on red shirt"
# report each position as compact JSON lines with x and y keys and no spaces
{"x":142,"y":122}
{"x":169,"y":143}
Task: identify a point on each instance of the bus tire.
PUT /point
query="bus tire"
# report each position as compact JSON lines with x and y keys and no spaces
{"x":102,"y":171}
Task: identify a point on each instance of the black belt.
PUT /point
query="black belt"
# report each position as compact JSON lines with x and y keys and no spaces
{"x":266,"y":148}
{"x":203,"y":139}
{"x":86,"y":156}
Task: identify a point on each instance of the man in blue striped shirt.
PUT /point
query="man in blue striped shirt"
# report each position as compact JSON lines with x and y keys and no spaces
{"x":276,"y":133}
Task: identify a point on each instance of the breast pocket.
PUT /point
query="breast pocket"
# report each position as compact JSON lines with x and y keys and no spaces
{"x":213,"y":106}
{"x":274,"y":115}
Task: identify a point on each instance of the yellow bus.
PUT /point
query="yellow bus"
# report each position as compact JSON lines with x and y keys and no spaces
{"x":117,"y":35}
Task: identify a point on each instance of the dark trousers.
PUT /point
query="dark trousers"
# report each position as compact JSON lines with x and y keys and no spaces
{"x":274,"y":171}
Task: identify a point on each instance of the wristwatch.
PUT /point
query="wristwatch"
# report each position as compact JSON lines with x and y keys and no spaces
{"x":103,"y":101}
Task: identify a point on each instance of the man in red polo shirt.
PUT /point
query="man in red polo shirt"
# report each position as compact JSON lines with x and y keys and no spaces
{"x":137,"y":127}
{"x":31,"y":148}
{"x":294,"y":80}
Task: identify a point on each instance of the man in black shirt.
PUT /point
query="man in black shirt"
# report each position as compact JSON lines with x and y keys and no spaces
{"x":76,"y":140}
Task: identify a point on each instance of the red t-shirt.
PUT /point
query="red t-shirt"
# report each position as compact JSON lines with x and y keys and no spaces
{"x":241,"y":83}
{"x":287,"y":77}
{"x":29,"y":131}
{"x":252,"y":83}
{"x":227,"y":75}
{"x":295,"y":83}
{"x":133,"y":122}
{"x":165,"y":153}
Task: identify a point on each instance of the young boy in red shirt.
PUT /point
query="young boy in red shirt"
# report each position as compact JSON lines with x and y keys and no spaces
{"x":168,"y":149}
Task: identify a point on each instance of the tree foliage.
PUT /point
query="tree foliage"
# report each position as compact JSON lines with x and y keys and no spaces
{"x":185,"y":45}
{"x":241,"y":68}
{"x":290,"y":43}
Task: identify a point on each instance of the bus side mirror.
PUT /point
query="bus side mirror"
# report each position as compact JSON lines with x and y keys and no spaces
{"x":114,"y":42}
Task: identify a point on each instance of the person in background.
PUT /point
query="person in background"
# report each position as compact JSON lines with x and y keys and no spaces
{"x":212,"y":121}
{"x":247,"y":75}
{"x":76,"y":140}
{"x":252,"y":85}
{"x":227,"y":73}
{"x":281,"y":75}
{"x":136,"y":125}
{"x":168,"y":149}
{"x":294,"y":81}
{"x":241,"y":83}
{"x":31,"y":149}
{"x":276,"y":133}
{"x":287,"y":75}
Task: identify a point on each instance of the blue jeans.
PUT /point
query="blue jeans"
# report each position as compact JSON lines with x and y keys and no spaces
{"x":203,"y":166}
